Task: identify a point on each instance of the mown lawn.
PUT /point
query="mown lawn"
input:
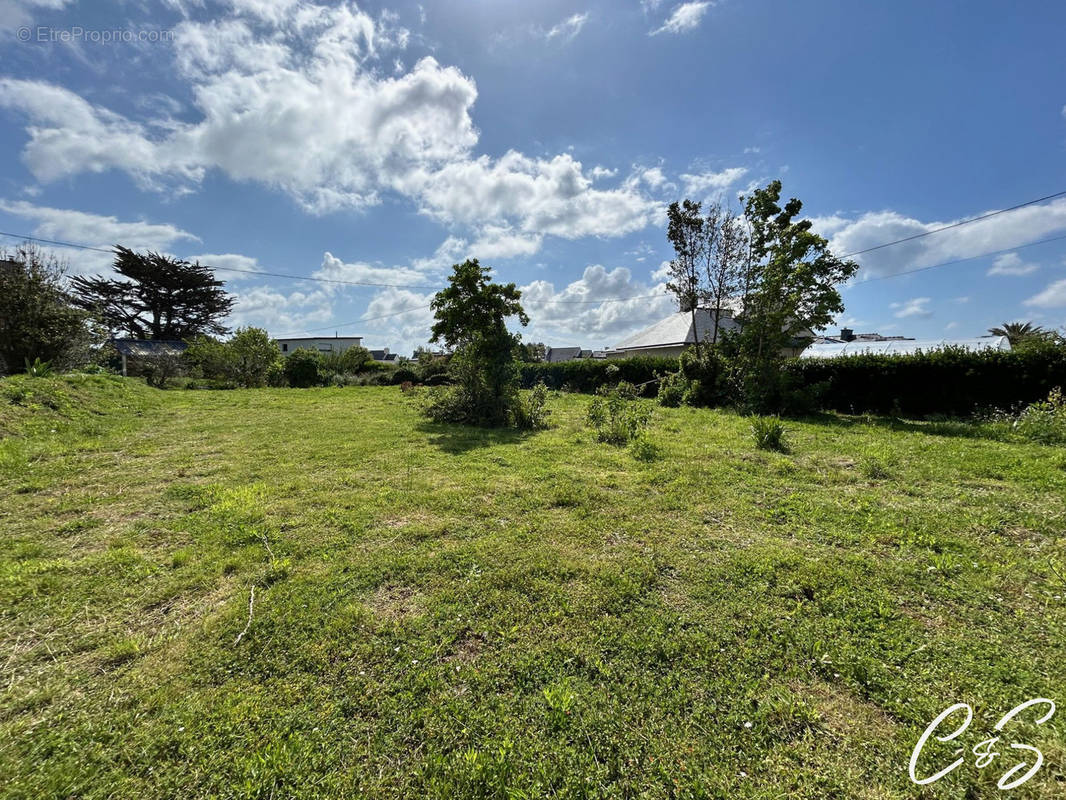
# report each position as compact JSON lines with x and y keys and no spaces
{"x":442,"y":612}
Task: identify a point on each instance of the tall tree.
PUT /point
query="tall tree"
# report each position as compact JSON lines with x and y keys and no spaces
{"x":791,"y":282}
{"x":685,"y":230}
{"x":38,"y":319}
{"x":472,"y":314}
{"x":163,"y":298}
{"x":724,"y":257}
{"x":1018,"y":332}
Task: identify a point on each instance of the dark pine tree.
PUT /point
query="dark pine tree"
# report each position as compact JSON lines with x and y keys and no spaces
{"x":162,"y":298}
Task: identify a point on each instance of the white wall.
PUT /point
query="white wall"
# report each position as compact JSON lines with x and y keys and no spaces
{"x":327,"y":344}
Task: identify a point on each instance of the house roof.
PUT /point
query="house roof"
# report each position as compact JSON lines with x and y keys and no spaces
{"x":677,"y":329}
{"x":899,"y":347}
{"x":556,"y":354}
{"x":150,"y":347}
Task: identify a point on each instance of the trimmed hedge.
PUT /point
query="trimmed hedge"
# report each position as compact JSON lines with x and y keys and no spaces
{"x":587,"y":374}
{"x":948,"y":381}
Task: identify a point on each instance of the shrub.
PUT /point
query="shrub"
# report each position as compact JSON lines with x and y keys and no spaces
{"x":589,"y":374}
{"x":38,"y":319}
{"x":253,"y":352}
{"x":617,"y":415}
{"x":531,"y":412}
{"x":404,"y":375}
{"x":945,"y":381}
{"x":768,"y":433}
{"x":672,"y":388}
{"x":1045,"y":420}
{"x":39,"y":369}
{"x":303,"y":368}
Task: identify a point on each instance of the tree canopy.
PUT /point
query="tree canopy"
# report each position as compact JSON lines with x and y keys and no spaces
{"x":38,"y":319}
{"x":162,"y":298}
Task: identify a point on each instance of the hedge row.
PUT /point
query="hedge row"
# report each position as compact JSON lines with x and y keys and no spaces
{"x":948,"y":381}
{"x":587,"y":375}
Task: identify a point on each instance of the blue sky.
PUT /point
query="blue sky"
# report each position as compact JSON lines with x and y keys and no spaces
{"x":381,"y":143}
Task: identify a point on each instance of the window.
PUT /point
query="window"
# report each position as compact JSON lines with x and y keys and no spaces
{"x":284,"y":347}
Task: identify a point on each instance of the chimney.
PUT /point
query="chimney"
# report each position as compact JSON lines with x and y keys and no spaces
{"x":847,"y":334}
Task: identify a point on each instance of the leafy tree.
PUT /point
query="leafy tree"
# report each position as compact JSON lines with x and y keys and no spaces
{"x":533,"y":352}
{"x":38,"y":320}
{"x":724,"y":257}
{"x":472,"y":314}
{"x":163,"y":298}
{"x":211,"y":357}
{"x":685,"y":230}
{"x":253,"y":353}
{"x":1019,"y":332}
{"x":790,"y":289}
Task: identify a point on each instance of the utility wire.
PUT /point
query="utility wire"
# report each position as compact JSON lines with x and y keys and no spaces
{"x":958,"y":224}
{"x":954,"y":225}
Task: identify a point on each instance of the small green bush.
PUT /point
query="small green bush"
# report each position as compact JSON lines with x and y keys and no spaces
{"x":768,"y":433}
{"x":1045,"y":420}
{"x":672,"y":388}
{"x":303,"y":368}
{"x":616,"y":415}
{"x":531,"y":412}
{"x":404,"y":375}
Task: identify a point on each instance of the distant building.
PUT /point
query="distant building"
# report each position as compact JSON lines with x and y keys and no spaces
{"x":670,"y":336}
{"x":323,"y":344}
{"x":900,"y":346}
{"x":139,"y":350}
{"x":384,"y":356}
{"x":554,"y":355}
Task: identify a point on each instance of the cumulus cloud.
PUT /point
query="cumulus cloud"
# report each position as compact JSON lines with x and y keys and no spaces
{"x":292,"y":95}
{"x":1011,"y":264}
{"x":334,"y":269}
{"x":683,"y":18}
{"x":569,"y":28}
{"x":1002,"y":232}
{"x":572,"y":315}
{"x":281,"y":312}
{"x":233,"y":266}
{"x":1054,"y":296}
{"x":705,"y":183}
{"x":95,"y":230}
{"x":915,"y":307}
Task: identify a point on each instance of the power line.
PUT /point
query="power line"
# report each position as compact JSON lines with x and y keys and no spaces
{"x":963,"y":260}
{"x":954,"y":225}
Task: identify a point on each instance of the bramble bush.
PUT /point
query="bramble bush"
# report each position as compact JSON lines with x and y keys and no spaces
{"x":617,"y":415}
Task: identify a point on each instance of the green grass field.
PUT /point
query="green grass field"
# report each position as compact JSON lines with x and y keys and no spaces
{"x":443,"y":612}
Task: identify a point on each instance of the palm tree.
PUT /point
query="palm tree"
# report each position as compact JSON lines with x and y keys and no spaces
{"x":1017,"y":332}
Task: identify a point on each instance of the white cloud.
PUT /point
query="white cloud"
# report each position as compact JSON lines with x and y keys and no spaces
{"x":598,"y":173}
{"x":359,"y":272}
{"x":281,"y":313}
{"x":95,"y":230}
{"x":295,"y":96}
{"x":684,"y":18}
{"x":233,"y":266}
{"x":704,"y":183}
{"x":18,"y":13}
{"x":569,"y":28}
{"x":1002,"y":232}
{"x":1011,"y":264}
{"x":915,"y":307}
{"x":562,"y":317}
{"x":1054,"y":296}
{"x":536,"y":196}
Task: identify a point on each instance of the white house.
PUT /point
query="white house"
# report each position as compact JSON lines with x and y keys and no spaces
{"x":323,"y":344}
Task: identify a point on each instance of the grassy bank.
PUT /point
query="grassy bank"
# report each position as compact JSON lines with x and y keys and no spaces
{"x":451,"y":613}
